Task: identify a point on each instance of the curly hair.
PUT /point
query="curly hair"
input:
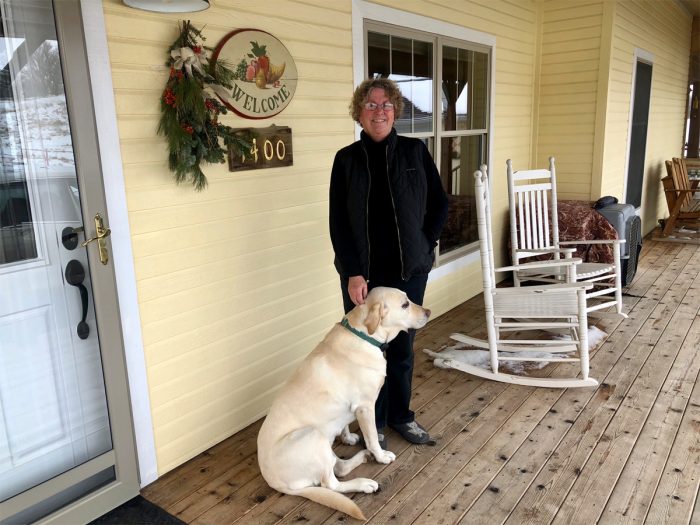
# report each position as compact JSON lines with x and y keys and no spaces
{"x":359,"y":97}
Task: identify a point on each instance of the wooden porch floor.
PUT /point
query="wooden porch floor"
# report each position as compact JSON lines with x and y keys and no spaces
{"x":628,"y":451}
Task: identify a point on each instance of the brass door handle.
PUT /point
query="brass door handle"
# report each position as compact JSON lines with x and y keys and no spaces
{"x":101,"y":233}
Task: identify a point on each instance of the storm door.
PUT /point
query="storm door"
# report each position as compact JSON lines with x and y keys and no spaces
{"x":65,"y":427}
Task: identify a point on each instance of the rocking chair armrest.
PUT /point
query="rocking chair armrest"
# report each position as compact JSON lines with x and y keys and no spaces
{"x":543,"y":288}
{"x":562,"y":286}
{"x":539,"y":264}
{"x":566,"y":251}
{"x":681,"y":190}
{"x":595,"y":241}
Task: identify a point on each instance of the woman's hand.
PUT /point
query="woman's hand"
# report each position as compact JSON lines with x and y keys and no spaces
{"x":357,"y":289}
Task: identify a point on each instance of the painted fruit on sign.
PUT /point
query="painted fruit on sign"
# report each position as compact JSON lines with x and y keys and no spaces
{"x":265,"y":76}
{"x":264,"y":72}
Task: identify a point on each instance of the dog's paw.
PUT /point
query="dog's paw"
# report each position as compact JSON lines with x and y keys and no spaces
{"x":385,"y":456}
{"x":368,"y":486}
{"x":350,"y":438}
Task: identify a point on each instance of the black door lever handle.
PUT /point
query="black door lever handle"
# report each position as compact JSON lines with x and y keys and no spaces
{"x":69,"y":237}
{"x":75,"y":275}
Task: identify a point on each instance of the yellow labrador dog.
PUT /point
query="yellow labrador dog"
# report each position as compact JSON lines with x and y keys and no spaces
{"x":337,"y":383}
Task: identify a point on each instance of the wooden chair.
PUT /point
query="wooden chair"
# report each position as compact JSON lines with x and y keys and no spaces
{"x":682,"y":206}
{"x":534,"y":231}
{"x":544,"y":306}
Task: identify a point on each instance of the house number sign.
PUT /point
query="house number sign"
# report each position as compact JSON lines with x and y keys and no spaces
{"x":265,"y":76}
{"x":271,"y":147}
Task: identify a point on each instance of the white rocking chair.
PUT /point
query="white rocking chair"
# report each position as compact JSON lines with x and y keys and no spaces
{"x":534,"y":230}
{"x":543,"y":306}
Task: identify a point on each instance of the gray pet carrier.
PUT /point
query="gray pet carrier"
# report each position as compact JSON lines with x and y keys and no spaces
{"x":629,"y":227}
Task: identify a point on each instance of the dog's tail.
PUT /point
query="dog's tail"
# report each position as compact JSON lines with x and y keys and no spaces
{"x":332,"y":499}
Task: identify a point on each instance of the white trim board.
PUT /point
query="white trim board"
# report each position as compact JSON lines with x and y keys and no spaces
{"x":115,"y":194}
{"x":362,"y":9}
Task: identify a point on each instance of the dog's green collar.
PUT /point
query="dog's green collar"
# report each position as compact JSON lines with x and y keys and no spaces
{"x":370,"y":340}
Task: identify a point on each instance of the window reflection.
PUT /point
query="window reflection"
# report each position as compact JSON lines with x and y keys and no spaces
{"x":460,"y":157}
{"x":464,"y":83}
{"x":35,"y":147}
{"x":458,"y":95}
{"x":409,"y":63}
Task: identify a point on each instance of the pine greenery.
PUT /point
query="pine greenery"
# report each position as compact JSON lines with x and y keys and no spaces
{"x":189,"y":111}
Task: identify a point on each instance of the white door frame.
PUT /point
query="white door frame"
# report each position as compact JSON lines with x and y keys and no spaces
{"x":115,"y":195}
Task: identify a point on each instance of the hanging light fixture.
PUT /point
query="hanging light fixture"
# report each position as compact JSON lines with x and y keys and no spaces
{"x":169,"y":6}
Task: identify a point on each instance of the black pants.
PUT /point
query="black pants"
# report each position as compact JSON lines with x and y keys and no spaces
{"x":392,"y":405}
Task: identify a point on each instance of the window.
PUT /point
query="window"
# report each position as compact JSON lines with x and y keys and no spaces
{"x":445,"y":86}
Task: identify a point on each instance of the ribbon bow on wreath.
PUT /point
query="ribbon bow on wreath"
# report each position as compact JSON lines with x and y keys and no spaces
{"x":188,"y":58}
{"x":190,"y":109}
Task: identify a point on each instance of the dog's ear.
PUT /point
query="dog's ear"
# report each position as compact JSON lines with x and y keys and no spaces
{"x":374,"y":317}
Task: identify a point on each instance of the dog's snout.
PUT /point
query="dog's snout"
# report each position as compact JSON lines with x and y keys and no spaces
{"x":426,"y":312}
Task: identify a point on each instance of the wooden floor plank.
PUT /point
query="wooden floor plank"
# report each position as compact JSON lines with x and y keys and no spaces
{"x":635,"y":488}
{"x":522,"y":468}
{"x":625,"y":452}
{"x":551,"y":486}
{"x":598,"y":477}
{"x":483,"y":449}
{"x":190,"y":477}
{"x":520,"y":471}
{"x":677,"y":492}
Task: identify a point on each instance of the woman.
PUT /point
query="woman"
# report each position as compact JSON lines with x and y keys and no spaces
{"x":387,"y":208}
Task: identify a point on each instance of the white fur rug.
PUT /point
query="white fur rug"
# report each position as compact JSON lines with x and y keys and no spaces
{"x":472,"y":356}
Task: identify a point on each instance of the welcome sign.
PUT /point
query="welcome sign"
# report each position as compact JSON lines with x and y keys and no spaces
{"x":265,"y":76}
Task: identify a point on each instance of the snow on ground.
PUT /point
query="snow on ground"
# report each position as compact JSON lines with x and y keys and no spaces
{"x":472,"y":356}
{"x":41,"y":139}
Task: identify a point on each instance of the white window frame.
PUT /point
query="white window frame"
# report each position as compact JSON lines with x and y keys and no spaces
{"x":365,"y":11}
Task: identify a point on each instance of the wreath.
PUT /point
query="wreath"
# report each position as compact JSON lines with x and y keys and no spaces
{"x":190,"y":107}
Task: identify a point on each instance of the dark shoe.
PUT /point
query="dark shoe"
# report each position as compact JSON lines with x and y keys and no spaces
{"x":414,"y":433}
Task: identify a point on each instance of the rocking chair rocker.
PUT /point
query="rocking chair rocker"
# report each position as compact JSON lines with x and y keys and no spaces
{"x":543,"y":306}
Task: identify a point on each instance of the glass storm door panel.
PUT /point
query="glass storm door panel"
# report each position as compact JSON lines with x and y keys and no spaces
{"x":53,"y":404}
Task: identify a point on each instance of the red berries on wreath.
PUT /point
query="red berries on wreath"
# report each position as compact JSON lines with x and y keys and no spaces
{"x":169,"y":97}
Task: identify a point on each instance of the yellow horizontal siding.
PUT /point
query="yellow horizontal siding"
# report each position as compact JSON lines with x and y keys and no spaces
{"x":199,"y":325}
{"x":568,"y":81}
{"x":232,"y":359}
{"x":235,"y":283}
{"x":663,"y":29}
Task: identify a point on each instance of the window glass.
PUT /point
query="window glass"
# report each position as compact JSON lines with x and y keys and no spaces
{"x":460,"y":157}
{"x":409,"y":63}
{"x":480,"y":77}
{"x":459,"y":141}
{"x":422,"y":87}
{"x":464,"y":84}
{"x":378,"y":55}
{"x":17,"y":236}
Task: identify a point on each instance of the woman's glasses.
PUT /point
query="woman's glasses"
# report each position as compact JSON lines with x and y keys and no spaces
{"x":371,"y":106}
